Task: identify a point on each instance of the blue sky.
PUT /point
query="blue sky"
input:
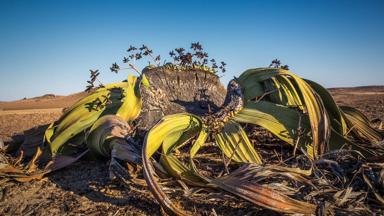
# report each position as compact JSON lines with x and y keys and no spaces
{"x":48,"y":46}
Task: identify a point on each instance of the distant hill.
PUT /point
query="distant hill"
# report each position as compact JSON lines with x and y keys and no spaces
{"x":49,"y":101}
{"x":378,"y":88}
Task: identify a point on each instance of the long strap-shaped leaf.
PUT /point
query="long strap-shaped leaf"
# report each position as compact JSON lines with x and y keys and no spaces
{"x":279,"y":120}
{"x":131,"y":107}
{"x":82,"y":115}
{"x":274,"y":100}
{"x":85,"y":114}
{"x":251,"y":82}
{"x":360,"y":125}
{"x":79,"y":120}
{"x":169,"y":128}
{"x":261,"y":195}
{"x":170,"y":133}
{"x":233,"y":141}
{"x":330,"y":105}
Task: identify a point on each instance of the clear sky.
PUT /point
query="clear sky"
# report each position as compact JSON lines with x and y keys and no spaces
{"x":48,"y":46}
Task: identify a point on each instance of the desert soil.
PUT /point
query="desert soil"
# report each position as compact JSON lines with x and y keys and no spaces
{"x":85,"y":189}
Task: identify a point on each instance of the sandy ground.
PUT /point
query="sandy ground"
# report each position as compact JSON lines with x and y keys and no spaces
{"x":85,"y":189}
{"x":369,"y":100}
